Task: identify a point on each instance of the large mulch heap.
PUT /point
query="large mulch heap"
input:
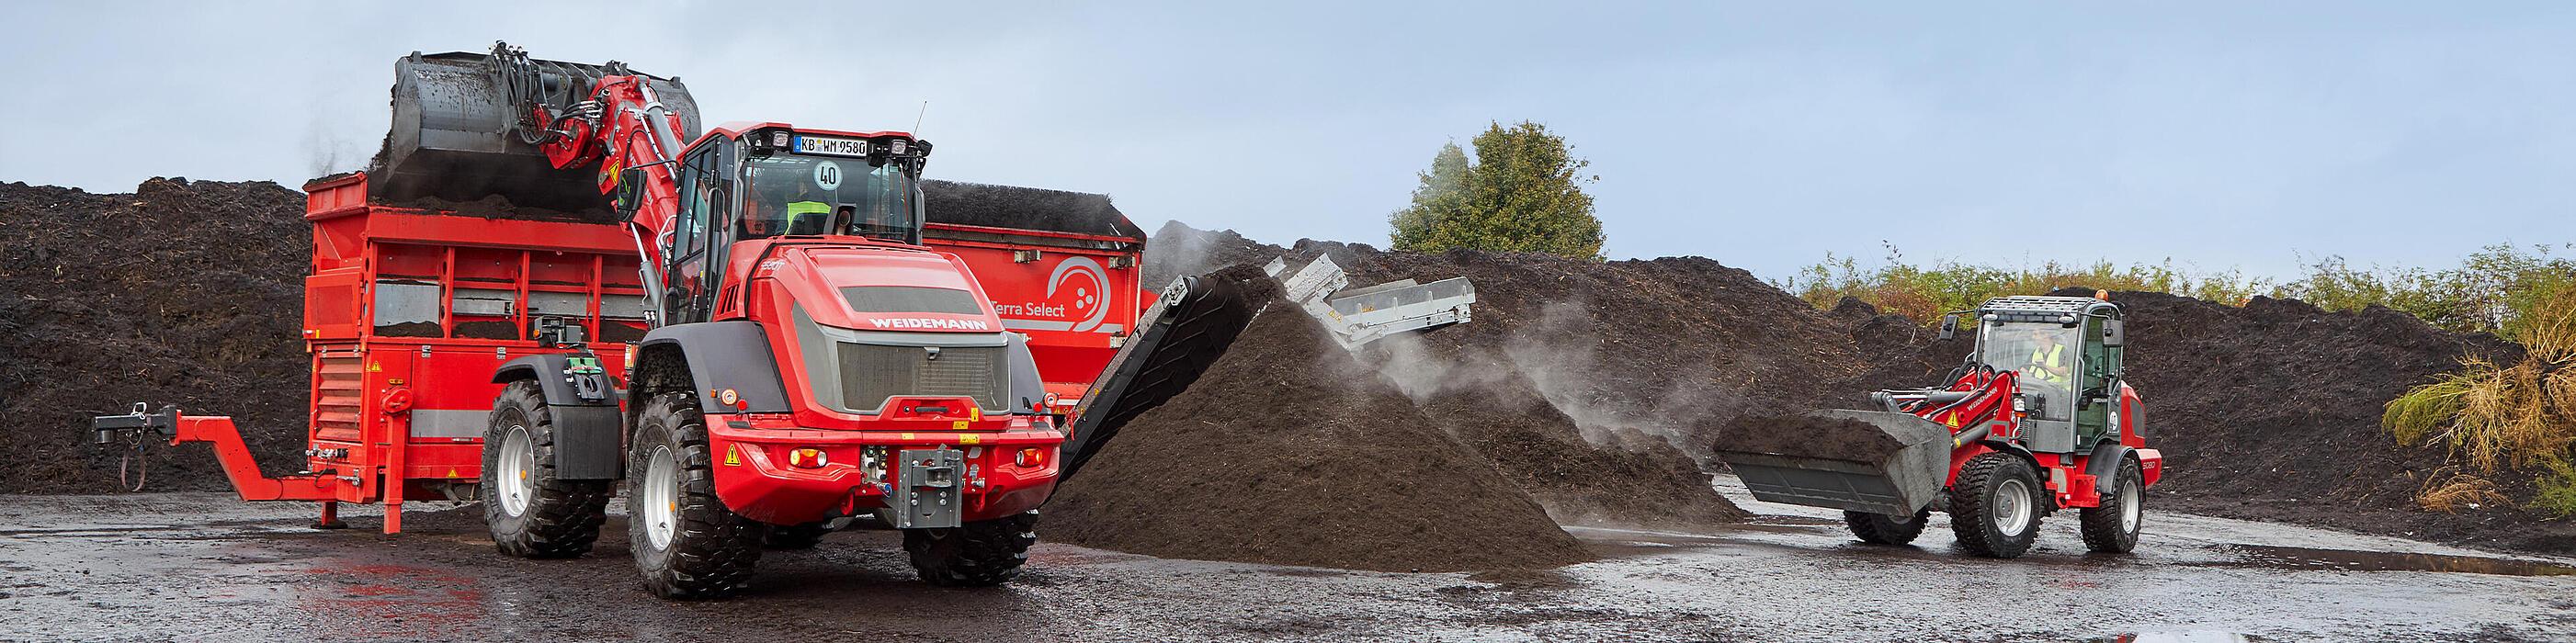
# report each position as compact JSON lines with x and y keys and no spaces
{"x":1178,"y":250}
{"x":1286,"y":451}
{"x":2271,"y":412}
{"x":184,"y":292}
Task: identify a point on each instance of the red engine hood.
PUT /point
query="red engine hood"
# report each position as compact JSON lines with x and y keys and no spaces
{"x":813,"y":275}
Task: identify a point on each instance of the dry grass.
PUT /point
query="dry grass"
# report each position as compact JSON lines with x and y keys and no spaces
{"x":2448,"y":491}
{"x":2494,"y":417}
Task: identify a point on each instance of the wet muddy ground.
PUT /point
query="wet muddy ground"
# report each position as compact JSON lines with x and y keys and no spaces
{"x":203,"y":567}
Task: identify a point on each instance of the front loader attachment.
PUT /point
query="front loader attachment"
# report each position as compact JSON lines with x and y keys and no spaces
{"x":1177,"y":339}
{"x":458,"y":131}
{"x":1868,"y":461}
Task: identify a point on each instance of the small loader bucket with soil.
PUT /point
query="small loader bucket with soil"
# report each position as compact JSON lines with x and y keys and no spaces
{"x":1868,"y":461}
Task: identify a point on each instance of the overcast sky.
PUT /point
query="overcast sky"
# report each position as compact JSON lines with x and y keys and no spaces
{"x":2222,"y":135}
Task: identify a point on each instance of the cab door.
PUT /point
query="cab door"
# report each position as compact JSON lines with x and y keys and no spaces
{"x":706,"y":190}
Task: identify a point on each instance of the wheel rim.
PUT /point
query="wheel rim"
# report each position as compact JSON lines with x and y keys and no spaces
{"x":2012,"y":507}
{"x":518,"y":470}
{"x":661,"y":511}
{"x":2129,"y":509}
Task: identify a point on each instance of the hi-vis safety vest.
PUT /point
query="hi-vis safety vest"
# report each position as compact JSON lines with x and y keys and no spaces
{"x":2051,"y":357}
{"x":797,"y":211}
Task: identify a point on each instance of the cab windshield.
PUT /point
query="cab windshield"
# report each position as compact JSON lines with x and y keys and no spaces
{"x":2045,"y":356}
{"x":811,"y":195}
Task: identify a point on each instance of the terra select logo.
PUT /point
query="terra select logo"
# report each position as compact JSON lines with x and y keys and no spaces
{"x":1076,"y":300}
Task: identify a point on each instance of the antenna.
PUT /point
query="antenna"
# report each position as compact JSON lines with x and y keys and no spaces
{"x":916,"y":118}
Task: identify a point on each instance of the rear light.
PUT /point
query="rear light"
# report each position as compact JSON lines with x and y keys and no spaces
{"x":1030,"y":457}
{"x":807,"y":458}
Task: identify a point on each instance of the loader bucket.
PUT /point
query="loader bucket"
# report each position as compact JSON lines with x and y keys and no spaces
{"x":1868,"y":461}
{"x":452,"y":136}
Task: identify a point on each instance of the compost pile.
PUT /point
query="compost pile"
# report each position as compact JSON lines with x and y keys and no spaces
{"x":184,"y":292}
{"x":2271,"y":411}
{"x":1178,"y":250}
{"x":1287,"y":451}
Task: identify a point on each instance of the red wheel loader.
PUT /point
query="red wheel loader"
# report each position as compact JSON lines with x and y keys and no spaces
{"x":767,"y":336}
{"x":2037,"y":419}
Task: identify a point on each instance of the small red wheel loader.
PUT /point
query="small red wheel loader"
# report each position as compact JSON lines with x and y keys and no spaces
{"x":2037,"y":419}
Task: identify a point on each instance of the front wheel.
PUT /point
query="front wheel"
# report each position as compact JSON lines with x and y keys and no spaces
{"x":2113,"y":527}
{"x":1994,"y":505}
{"x":1885,"y":529}
{"x":687,"y":544}
{"x":530,"y":512}
{"x":976,"y":554}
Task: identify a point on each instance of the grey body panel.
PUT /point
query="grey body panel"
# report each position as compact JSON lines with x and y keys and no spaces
{"x":726,"y":355}
{"x":589,"y":435}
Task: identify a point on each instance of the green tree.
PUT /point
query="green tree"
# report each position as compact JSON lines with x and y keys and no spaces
{"x":1523,"y":193}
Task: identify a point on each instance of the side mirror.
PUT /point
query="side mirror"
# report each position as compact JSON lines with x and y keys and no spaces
{"x":1949,"y":326}
{"x":2113,"y":334}
{"x":630,"y":190}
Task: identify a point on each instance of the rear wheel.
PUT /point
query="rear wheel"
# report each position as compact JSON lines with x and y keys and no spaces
{"x":1885,"y":529}
{"x":687,"y":544}
{"x":530,"y":513}
{"x":2113,"y":527}
{"x":976,"y":554}
{"x":1995,"y":505}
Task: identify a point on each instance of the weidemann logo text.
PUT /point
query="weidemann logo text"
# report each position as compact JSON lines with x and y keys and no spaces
{"x":938,"y":324}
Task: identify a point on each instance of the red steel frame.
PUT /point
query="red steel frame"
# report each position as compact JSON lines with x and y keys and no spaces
{"x":391,"y":407}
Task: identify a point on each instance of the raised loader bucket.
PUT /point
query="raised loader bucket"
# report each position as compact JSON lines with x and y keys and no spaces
{"x":453,"y":135}
{"x":1869,"y":461}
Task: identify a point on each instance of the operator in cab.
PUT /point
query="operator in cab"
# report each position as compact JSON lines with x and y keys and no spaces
{"x":2049,"y":361}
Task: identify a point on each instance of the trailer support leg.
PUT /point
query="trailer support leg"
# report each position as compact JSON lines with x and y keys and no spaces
{"x":330,"y":516}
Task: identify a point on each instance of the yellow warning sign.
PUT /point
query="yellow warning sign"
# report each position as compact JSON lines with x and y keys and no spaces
{"x":976,"y":413}
{"x":375,"y":367}
{"x":967,"y":438}
{"x":451,"y":472}
{"x":733,"y":456}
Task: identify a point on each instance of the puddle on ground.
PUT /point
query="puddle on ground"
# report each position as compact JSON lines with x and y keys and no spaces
{"x":2181,"y":637}
{"x":2376,"y":561}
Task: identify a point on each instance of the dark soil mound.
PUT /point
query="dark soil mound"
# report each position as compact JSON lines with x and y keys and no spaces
{"x":182,"y":293}
{"x":1287,"y":451}
{"x":500,"y":207}
{"x":1178,"y":250}
{"x":1635,"y":480}
{"x":1810,"y":436}
{"x":1006,"y":206}
{"x":2271,"y":411}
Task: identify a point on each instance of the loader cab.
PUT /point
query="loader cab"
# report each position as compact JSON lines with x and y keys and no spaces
{"x":750,"y":182}
{"x":2066,"y":353}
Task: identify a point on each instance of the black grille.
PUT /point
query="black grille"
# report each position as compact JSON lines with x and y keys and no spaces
{"x":870,"y":373}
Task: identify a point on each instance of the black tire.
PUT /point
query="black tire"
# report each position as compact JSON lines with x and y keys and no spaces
{"x":804,"y":536}
{"x":546,"y":517}
{"x":976,"y":554}
{"x":709,"y":551}
{"x":1885,"y":529}
{"x":1977,"y":496}
{"x":2113,"y":527}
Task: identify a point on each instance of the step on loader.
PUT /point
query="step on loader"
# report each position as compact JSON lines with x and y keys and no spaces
{"x":2038,"y":418}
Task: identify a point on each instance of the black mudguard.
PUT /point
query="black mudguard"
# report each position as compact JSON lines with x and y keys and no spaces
{"x":2104,"y":465}
{"x":589,"y":431}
